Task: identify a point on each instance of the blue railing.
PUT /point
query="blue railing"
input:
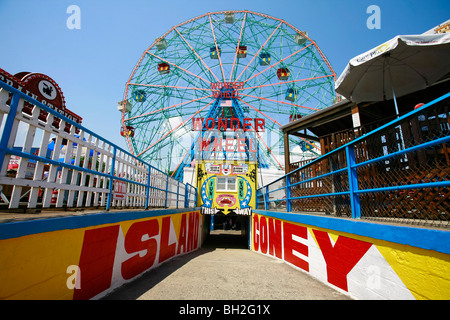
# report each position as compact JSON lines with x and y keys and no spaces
{"x":55,"y":173}
{"x":399,"y":171}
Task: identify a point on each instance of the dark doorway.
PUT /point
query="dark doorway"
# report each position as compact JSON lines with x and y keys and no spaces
{"x":230,"y":232}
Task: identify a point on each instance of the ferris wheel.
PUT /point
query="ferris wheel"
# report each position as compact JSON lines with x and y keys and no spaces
{"x":278,"y":73}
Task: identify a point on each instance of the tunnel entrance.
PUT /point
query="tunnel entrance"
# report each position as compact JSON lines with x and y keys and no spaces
{"x":228,"y":232}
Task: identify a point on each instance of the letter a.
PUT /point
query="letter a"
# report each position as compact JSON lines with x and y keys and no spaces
{"x":74,"y":20}
{"x":374,"y":21}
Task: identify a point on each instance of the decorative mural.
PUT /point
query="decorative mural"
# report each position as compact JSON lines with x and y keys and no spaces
{"x":362,"y":267}
{"x":226,"y":188}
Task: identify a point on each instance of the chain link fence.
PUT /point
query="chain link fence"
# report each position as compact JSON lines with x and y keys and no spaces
{"x":399,"y":172}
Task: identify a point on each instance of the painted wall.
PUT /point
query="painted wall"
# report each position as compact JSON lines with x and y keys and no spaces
{"x":363,"y":260}
{"x":86,"y":257}
{"x":213,"y":199}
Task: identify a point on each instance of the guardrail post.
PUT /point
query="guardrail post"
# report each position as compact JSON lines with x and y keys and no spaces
{"x":288,"y":193}
{"x":266,"y":198}
{"x":148,"y":187}
{"x":353,"y":182}
{"x":178,"y":191}
{"x":8,"y":127}
{"x":111,"y":179}
{"x":167,"y":191}
{"x":186,"y":195}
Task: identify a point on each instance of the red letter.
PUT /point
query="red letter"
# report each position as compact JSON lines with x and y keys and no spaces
{"x":241,"y":145}
{"x":251,"y":145}
{"x":247,"y":125}
{"x":134,"y":243}
{"x":221,"y":124}
{"x":197,"y":124}
{"x":255,"y":229}
{"x":97,"y":261}
{"x":204,"y":143}
{"x":263,"y":234}
{"x":290,"y":245}
{"x":217,"y":146}
{"x":193,"y":231}
{"x":229,"y":144}
{"x":182,"y":235}
{"x":207,"y":124}
{"x":275,"y":237}
{"x":342,"y":257}
{"x":166,"y":251}
{"x":259,"y":123}
{"x":234,"y":124}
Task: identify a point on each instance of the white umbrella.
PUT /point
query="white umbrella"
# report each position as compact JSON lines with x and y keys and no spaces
{"x":399,"y":66}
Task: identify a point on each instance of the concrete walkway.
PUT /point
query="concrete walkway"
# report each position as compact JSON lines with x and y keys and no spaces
{"x":224,"y":269}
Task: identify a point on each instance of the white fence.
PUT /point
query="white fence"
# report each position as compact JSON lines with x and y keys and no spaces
{"x":51,"y":161}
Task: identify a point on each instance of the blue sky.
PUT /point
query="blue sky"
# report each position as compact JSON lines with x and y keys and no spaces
{"x":92,"y":65}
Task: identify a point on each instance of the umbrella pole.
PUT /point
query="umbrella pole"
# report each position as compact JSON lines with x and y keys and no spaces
{"x":399,"y":127}
{"x":395,"y":102}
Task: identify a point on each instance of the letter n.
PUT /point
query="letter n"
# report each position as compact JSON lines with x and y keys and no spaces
{"x":193,"y":231}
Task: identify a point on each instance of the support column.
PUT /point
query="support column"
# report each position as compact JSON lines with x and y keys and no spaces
{"x":287,"y":162}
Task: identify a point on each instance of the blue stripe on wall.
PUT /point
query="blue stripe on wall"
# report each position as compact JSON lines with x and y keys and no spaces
{"x":23,"y":228}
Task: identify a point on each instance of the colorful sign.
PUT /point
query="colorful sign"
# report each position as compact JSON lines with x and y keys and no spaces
{"x":120,"y":188}
{"x":227,"y":188}
{"x":42,"y":88}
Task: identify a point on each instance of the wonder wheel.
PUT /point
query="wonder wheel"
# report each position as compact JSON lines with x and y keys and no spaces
{"x":276,"y":73}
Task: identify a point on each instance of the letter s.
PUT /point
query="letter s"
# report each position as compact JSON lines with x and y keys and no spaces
{"x":139,"y":238}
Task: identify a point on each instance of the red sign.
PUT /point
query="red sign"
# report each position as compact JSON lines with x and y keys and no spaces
{"x":120,"y":190}
{"x":248,"y":124}
{"x":43,"y":89}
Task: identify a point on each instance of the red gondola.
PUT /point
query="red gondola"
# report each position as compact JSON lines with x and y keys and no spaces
{"x":129,"y":131}
{"x":283,"y":73}
{"x":163,"y":68}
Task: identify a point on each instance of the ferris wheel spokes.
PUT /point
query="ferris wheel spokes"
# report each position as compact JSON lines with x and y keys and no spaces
{"x":167,"y":108}
{"x":176,"y":66}
{"x":238,"y":46}
{"x":196,"y":54}
{"x":217,"y":48}
{"x":257,"y":53}
{"x":275,"y":64}
{"x":178,"y":126}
